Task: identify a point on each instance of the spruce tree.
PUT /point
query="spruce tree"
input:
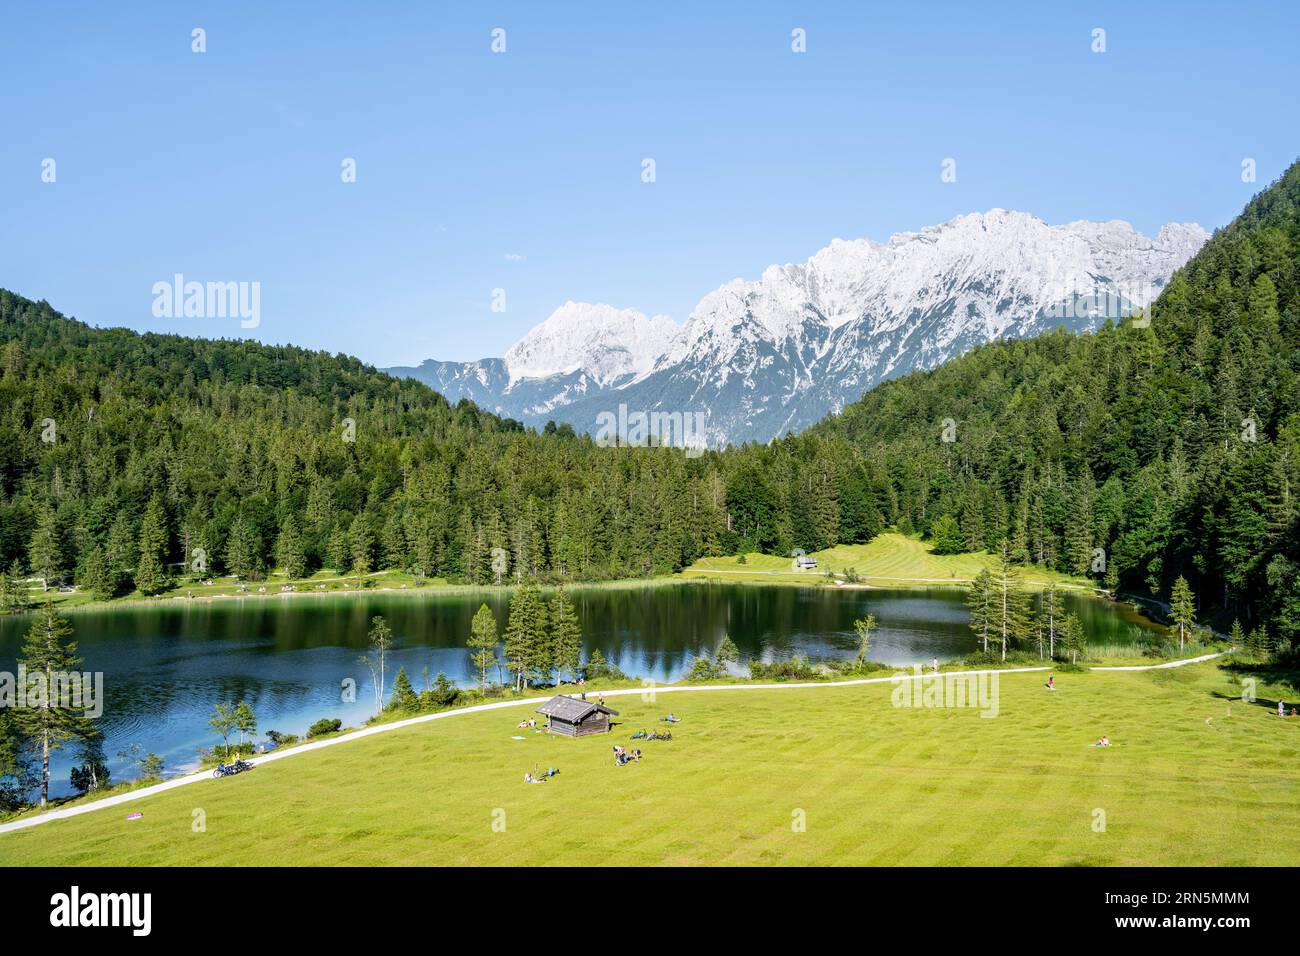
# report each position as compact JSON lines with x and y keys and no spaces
{"x":526,"y":634}
{"x":150,"y":575}
{"x":1183,"y":605}
{"x":48,"y":722}
{"x":566,"y":637}
{"x":482,"y":641}
{"x":980,"y":601}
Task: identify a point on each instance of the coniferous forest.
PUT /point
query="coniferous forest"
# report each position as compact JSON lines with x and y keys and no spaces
{"x":1169,"y":448}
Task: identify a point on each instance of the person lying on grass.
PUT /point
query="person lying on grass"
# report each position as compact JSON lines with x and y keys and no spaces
{"x":673,"y":719}
{"x":1104,"y":741}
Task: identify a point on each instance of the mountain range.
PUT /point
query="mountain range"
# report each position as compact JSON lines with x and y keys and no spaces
{"x":763,"y":357}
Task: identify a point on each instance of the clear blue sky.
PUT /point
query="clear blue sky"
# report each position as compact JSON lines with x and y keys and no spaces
{"x":226,"y":165}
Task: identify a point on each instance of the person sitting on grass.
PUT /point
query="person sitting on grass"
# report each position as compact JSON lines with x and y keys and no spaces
{"x":523,"y":724}
{"x":1051,"y":682}
{"x":1104,"y":741}
{"x":672,"y":718}
{"x":636,"y":754}
{"x":529,"y":778}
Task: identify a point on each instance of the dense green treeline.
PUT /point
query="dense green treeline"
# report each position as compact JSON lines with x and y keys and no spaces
{"x":1137,"y":454}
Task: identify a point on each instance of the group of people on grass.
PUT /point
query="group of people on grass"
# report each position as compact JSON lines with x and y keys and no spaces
{"x":623,"y":756}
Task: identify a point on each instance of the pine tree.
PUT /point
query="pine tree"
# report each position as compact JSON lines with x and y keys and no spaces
{"x":150,"y":576}
{"x":289,"y":550}
{"x":404,"y":696}
{"x":980,"y":601}
{"x":947,"y":537}
{"x":361,"y":539}
{"x":1183,"y":605}
{"x":483,"y":642}
{"x":97,"y":574}
{"x":45,"y":550}
{"x":51,"y":723}
{"x":241,"y":549}
{"x":728,"y":653}
{"x":566,"y":637}
{"x":1074,"y":640}
{"x":13,"y":596}
{"x":1051,"y":610}
{"x":1011,"y":602}
{"x":526,"y":638}
{"x":339,"y":549}
{"x":1237,"y":636}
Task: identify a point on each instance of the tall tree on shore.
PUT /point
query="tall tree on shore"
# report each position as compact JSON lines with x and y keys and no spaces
{"x":566,"y":637}
{"x":1051,"y":611}
{"x":289,"y":549}
{"x":50,"y":656}
{"x":864,"y":627}
{"x":381,"y":642}
{"x":482,"y":642}
{"x":1074,"y":640}
{"x":45,"y":551}
{"x":980,"y":601}
{"x":526,"y":637}
{"x":1014,"y":621}
{"x":225,"y":721}
{"x":150,"y":575}
{"x":1183,"y":605}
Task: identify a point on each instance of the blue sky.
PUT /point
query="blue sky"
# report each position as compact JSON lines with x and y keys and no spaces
{"x":225,"y":165}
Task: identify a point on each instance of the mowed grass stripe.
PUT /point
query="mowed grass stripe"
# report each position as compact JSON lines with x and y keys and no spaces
{"x":878,"y":784}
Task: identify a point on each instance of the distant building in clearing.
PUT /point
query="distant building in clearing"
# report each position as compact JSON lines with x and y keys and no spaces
{"x":575,"y":717}
{"x":806,"y":562}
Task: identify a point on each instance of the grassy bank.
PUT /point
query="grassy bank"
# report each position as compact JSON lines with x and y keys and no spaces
{"x":889,"y":560}
{"x":1195,"y":776}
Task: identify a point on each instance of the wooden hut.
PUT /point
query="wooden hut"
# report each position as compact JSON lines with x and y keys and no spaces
{"x":575,"y":717}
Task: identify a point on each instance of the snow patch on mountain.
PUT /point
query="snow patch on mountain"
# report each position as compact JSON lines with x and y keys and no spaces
{"x":804,"y":339}
{"x":609,"y":345}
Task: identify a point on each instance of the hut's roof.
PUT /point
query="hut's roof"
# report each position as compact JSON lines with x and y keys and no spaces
{"x":572,"y":709}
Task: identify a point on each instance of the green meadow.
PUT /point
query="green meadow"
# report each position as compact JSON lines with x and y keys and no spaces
{"x":888,"y":560}
{"x":817,"y":775}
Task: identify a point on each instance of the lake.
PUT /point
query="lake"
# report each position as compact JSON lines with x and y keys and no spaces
{"x":166,"y":665}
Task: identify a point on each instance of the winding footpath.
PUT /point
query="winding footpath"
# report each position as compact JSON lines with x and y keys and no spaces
{"x":200,"y":776}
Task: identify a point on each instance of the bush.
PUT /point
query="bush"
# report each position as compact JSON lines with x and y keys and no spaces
{"x":324,"y":726}
{"x":856,"y":668}
{"x":796,"y":668}
{"x":443,"y":692}
{"x":281,"y":740}
{"x":703,"y":669}
{"x":598,"y":668}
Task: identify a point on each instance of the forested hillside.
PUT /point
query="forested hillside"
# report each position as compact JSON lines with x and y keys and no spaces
{"x":1173,"y":448}
{"x":1160,"y":450}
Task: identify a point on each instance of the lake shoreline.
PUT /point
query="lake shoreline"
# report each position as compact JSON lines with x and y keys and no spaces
{"x":686,"y":577}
